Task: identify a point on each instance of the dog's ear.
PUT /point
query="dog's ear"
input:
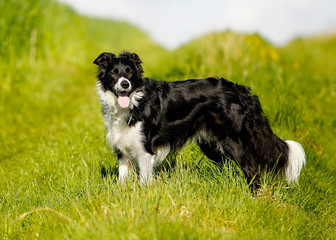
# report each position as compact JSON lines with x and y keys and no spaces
{"x":135,"y":59}
{"x":104,"y":59}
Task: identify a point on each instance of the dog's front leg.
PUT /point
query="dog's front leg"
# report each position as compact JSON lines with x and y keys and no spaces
{"x":146,"y":165}
{"x":125,"y":169}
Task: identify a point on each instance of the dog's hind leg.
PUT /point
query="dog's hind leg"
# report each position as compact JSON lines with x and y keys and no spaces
{"x":251,"y":174}
{"x":211,"y":151}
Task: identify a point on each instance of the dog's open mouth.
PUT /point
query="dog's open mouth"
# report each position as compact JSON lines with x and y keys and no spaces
{"x":123,"y":99}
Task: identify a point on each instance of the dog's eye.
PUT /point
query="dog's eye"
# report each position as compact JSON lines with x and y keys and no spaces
{"x":127,"y":70}
{"x":115,"y":71}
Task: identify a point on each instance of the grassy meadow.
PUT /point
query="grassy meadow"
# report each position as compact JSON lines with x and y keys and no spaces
{"x":58,"y":175}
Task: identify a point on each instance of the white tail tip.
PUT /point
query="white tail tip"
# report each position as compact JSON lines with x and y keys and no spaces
{"x":296,"y":160}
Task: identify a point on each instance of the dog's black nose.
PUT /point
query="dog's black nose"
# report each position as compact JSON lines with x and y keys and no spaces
{"x":124,"y":84}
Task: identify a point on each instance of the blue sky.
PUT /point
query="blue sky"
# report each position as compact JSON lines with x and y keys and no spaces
{"x":171,"y":23}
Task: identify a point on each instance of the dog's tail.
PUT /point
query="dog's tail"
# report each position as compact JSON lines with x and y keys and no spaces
{"x":296,"y":161}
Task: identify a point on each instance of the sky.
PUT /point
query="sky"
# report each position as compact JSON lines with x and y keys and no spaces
{"x":171,"y":23}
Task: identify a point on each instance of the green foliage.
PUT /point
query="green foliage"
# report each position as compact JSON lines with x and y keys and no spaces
{"x":58,"y":176}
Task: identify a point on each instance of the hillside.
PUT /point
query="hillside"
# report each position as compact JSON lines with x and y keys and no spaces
{"x":313,"y":63}
{"x":58,"y":176}
{"x":47,"y":60}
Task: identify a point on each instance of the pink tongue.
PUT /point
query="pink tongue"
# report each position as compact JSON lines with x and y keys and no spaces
{"x":124,"y":101}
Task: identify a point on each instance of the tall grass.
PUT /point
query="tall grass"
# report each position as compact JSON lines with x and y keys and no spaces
{"x":58,"y":176}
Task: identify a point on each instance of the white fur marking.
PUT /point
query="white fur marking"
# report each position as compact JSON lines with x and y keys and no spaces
{"x":161,"y":153}
{"x":296,"y":160}
{"x":146,"y":164}
{"x":135,"y":98}
{"x":125,"y":169}
{"x":118,"y":86}
{"x":127,"y":139}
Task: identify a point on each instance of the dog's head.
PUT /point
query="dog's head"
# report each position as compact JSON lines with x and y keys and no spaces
{"x":120,"y":75}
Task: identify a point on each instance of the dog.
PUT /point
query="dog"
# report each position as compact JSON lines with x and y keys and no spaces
{"x":147,"y":119}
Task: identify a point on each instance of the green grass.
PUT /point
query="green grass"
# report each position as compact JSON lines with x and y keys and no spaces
{"x":58,"y":175}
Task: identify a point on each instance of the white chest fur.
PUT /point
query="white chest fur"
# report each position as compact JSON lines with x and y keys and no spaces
{"x":127,"y":139}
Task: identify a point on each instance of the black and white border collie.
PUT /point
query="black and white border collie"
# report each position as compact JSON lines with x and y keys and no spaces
{"x":147,"y":119}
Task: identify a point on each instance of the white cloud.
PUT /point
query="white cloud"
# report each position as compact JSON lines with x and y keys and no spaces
{"x":279,"y":21}
{"x":173,"y":22}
